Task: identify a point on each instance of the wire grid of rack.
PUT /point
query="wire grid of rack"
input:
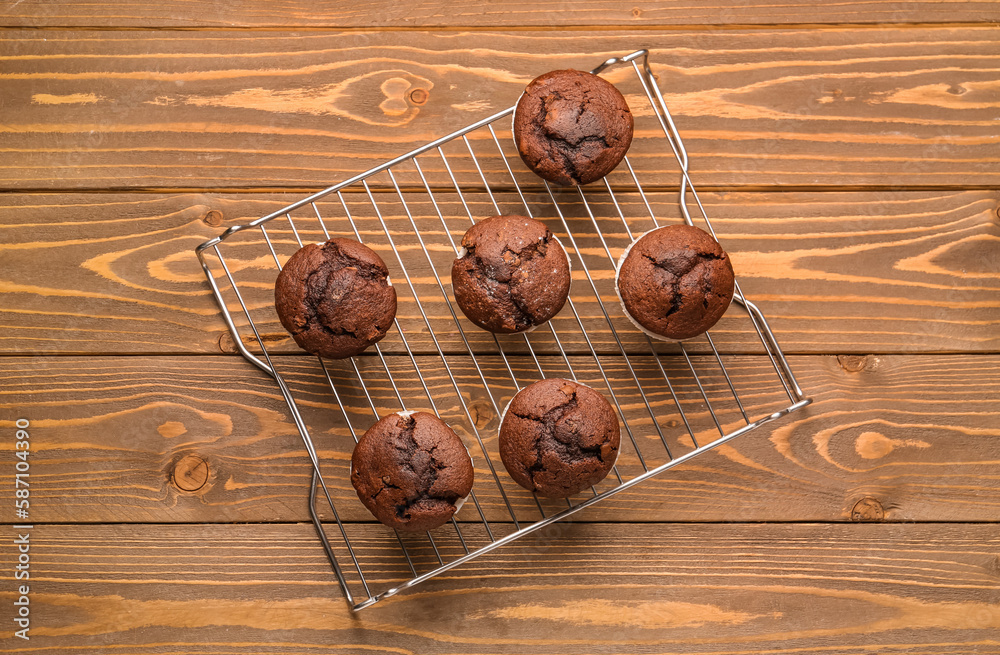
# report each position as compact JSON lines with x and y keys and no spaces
{"x":409,"y":202}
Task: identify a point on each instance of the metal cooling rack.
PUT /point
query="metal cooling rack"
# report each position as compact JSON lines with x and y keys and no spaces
{"x":404,"y":206}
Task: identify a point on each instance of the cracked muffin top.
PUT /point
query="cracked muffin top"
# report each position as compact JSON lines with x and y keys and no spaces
{"x":559,"y":437}
{"x":572,"y":127}
{"x":675,"y":282}
{"x":335,"y":298}
{"x":411,"y":471}
{"x":512,"y":274}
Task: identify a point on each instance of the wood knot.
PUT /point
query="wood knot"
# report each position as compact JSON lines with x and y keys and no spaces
{"x":636,"y":12}
{"x":857,"y":363}
{"x":190,"y":473}
{"x":227,"y":344}
{"x":867,"y":510}
{"x":171,"y":429}
{"x":419,"y":96}
{"x":394,"y":103}
{"x":213,"y":218}
{"x":873,"y":445}
{"x":482,"y":413}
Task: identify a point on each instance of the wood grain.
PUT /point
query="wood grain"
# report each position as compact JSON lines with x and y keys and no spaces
{"x":783,"y":589}
{"x":478,"y":13}
{"x":833,"y":272}
{"x":898,"y":438}
{"x":845,"y":150}
{"x":119,"y":109}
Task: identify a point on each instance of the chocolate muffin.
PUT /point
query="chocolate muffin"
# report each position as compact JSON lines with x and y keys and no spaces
{"x":335,"y":298}
{"x":675,"y":282}
{"x":411,"y":471}
{"x":511,"y":275}
{"x":558,"y":437}
{"x":572,"y":127}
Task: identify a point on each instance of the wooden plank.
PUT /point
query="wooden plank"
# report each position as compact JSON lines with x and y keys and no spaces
{"x":474,"y":13}
{"x":833,"y":272}
{"x":782,"y":589}
{"x":899,"y":438}
{"x":119,"y":109}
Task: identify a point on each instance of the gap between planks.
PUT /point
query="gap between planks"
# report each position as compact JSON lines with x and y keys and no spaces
{"x":844,"y":523}
{"x":693,"y":27}
{"x":611,"y":353}
{"x":648,"y":188}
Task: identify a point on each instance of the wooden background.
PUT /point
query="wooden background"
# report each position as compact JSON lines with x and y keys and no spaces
{"x":848,"y":154}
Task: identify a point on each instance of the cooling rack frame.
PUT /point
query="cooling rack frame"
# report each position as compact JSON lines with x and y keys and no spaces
{"x":639,"y":61}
